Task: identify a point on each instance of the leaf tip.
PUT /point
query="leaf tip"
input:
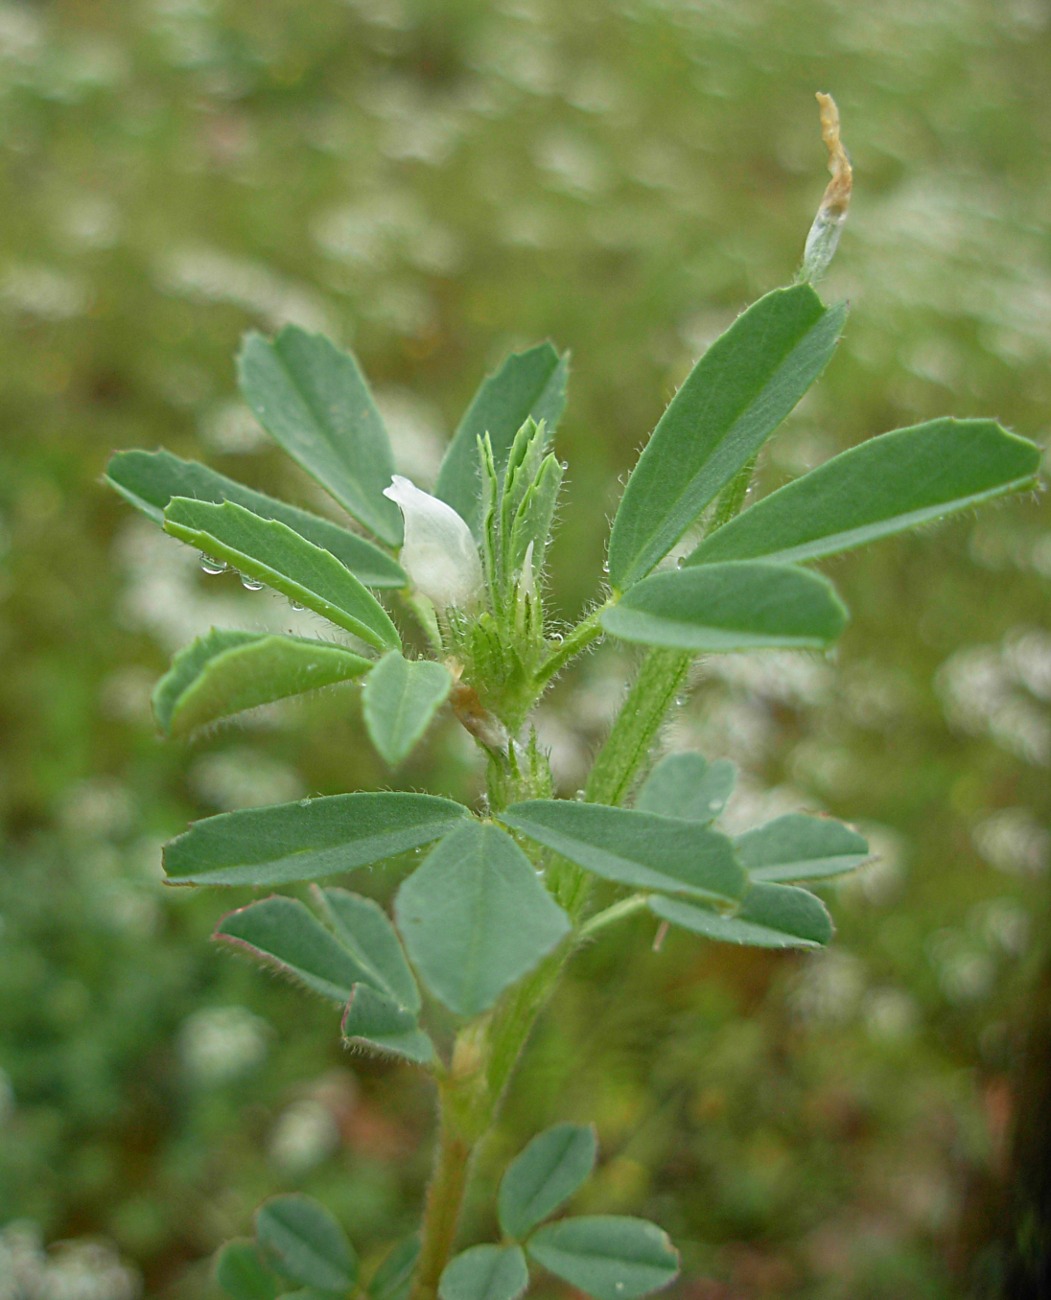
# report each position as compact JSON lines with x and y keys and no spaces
{"x":251,"y":341}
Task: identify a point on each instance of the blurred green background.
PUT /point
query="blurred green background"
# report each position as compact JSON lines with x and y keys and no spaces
{"x":434,"y":184}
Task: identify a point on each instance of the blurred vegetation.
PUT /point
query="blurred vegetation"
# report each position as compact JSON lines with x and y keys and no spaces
{"x":435,"y":183}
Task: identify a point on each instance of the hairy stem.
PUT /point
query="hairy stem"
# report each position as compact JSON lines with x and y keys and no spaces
{"x":660,"y":676}
{"x":516,"y":1017}
{"x":469,"y":1105}
{"x":586,"y":631}
{"x":645,"y":707}
{"x":732,"y":497}
{"x":441,"y":1215}
{"x":635,"y":728}
{"x":470,"y":1100}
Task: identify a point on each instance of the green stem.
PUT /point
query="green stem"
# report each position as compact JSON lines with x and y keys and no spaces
{"x":635,"y":728}
{"x":441,"y":1215}
{"x":615,"y":912}
{"x":660,"y":677}
{"x":732,"y":497}
{"x":586,"y":631}
{"x":627,"y":746}
{"x":464,"y":1099}
{"x":516,"y":1017}
{"x":470,"y":1102}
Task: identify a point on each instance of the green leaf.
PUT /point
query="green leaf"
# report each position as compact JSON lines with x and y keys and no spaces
{"x":226,"y":672}
{"x":307,"y":840}
{"x":742,"y":605}
{"x":798,"y":847}
{"x":362,"y":927}
{"x":400,"y":699}
{"x":528,"y":385}
{"x":149,"y":480}
{"x":475,"y":917}
{"x":314,"y":402}
{"x":304,"y":1242}
{"x":544,"y":1176}
{"x":607,"y":1256}
{"x":392,"y":1279}
{"x":634,"y":848}
{"x":242,"y":1274}
{"x":771,"y":916}
{"x":379,"y":1022}
{"x":282,"y":932}
{"x":734,"y":398}
{"x":686,"y":785}
{"x":485,"y":1273}
{"x":885,"y":485}
{"x":272,"y":553}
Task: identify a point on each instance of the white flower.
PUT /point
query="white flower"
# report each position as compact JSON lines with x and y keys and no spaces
{"x":438,"y":553}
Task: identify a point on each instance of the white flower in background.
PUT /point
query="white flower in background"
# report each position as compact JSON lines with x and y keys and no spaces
{"x":81,"y":1269}
{"x":438,"y":553}
{"x":305,"y":1134}
{"x":219,"y":1044}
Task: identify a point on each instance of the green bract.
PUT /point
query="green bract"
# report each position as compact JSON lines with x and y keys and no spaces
{"x":528,"y":385}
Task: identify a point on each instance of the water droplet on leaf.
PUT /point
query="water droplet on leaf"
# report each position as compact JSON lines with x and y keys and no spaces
{"x":250,"y":584}
{"x":208,"y":565}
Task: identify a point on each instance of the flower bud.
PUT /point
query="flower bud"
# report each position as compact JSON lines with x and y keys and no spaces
{"x":438,"y":553}
{"x":824,"y":234}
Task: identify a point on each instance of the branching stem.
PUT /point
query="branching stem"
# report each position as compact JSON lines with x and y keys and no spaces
{"x":587,"y":630}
